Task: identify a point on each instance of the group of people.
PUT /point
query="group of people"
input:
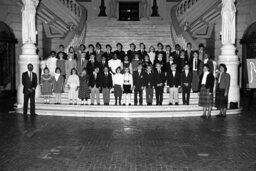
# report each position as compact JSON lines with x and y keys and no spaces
{"x":86,"y":73}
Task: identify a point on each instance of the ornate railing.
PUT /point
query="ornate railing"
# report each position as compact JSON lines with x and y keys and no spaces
{"x":178,"y":38}
{"x":184,"y":6}
{"x":73,"y":6}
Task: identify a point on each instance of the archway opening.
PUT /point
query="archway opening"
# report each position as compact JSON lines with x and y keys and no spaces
{"x":7,"y":60}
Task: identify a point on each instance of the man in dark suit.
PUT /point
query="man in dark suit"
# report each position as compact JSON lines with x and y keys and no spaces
{"x":103,"y":64}
{"x":95,"y":85}
{"x":108,"y":54}
{"x":186,"y":82}
{"x":149,"y":84}
{"x":173,"y":81}
{"x":189,"y":52}
{"x":92,"y":64}
{"x":106,"y":84}
{"x":176,"y":53}
{"x":131,"y":52}
{"x":29,"y":82}
{"x":159,"y":81}
{"x":142,"y":52}
{"x":139,"y":84}
{"x":98,"y":52}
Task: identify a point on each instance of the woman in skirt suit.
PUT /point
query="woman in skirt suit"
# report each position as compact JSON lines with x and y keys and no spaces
{"x":206,"y":85}
{"x":58,"y":85}
{"x":222,"y":89}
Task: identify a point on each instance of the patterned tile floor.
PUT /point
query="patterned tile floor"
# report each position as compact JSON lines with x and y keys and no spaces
{"x":123,"y":144}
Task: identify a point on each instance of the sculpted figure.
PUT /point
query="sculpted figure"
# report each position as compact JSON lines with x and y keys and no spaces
{"x":28,"y":21}
{"x":144,"y":8}
{"x":228,"y":14}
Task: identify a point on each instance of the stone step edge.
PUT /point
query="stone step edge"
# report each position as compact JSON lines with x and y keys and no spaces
{"x":129,"y":115}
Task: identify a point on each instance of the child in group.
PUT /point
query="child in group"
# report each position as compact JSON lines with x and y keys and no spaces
{"x":186,"y":82}
{"x":46,"y":85}
{"x":146,"y":62}
{"x":84,"y":91}
{"x":73,"y":84}
{"x":151,"y":53}
{"x":128,"y":84}
{"x":127,"y":63}
{"x":58,"y":85}
{"x":61,"y":63}
{"x":95,"y":85}
{"x":135,"y":62}
{"x":70,"y":64}
{"x":118,"y":80}
{"x":149,"y":83}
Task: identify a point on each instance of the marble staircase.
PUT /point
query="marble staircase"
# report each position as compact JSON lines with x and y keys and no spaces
{"x":143,"y":111}
{"x":112,"y":32}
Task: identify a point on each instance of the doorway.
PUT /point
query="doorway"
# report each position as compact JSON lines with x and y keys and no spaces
{"x":249,"y":51}
{"x":128,"y":11}
{"x":7,"y":60}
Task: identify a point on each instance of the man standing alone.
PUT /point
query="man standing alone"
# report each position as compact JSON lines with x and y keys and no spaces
{"x":29,"y":82}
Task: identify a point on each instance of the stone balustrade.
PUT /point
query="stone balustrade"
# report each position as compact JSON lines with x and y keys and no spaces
{"x":73,"y":6}
{"x":178,"y":39}
{"x":184,"y":6}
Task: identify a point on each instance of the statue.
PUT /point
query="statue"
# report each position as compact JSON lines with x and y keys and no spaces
{"x":228,"y":14}
{"x":28,"y":21}
{"x":112,"y":8}
{"x":144,"y":8}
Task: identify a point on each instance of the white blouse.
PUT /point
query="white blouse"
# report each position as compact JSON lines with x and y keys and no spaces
{"x":128,"y":80}
{"x":118,"y":79}
{"x":205,"y":77}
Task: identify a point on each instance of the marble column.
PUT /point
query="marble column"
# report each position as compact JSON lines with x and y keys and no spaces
{"x":228,"y":51}
{"x":28,"y":54}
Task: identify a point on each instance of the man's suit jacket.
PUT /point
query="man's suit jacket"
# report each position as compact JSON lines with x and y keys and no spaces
{"x":142,"y":54}
{"x":159,"y":78}
{"x":98,"y":55}
{"x":93,"y":81}
{"x":186,"y":79}
{"x":173,"y":80}
{"x":138,"y":80}
{"x":199,"y":65}
{"x":149,"y":80}
{"x":188,"y":56}
{"x":108,"y":56}
{"x":106,"y":81}
{"x":102,"y":66}
{"x":27,"y":83}
{"x":91,"y":66}
{"x":176,"y":56}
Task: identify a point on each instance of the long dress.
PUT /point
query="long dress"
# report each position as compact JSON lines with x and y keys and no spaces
{"x":46,"y":85}
{"x":73,"y":82}
{"x":58,"y":84}
{"x":84,"y":91}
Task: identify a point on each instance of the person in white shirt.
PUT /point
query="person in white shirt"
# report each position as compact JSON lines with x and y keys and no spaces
{"x":127,"y":85}
{"x":51,"y":63}
{"x":114,"y":64}
{"x":118,"y":81}
{"x":151,"y":53}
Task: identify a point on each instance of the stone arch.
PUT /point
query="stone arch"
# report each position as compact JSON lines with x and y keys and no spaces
{"x":7,"y":59}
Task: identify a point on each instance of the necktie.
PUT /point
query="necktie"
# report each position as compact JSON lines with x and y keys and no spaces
{"x":30,"y":76}
{"x":195,"y":64}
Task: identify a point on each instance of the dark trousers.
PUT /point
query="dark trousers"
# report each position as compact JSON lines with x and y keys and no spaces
{"x":159,"y":95}
{"x":31,"y":97}
{"x":186,"y":94}
{"x":149,"y":94}
{"x":136,"y":91}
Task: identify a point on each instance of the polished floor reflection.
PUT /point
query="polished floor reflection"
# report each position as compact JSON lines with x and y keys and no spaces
{"x":67,"y":144}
